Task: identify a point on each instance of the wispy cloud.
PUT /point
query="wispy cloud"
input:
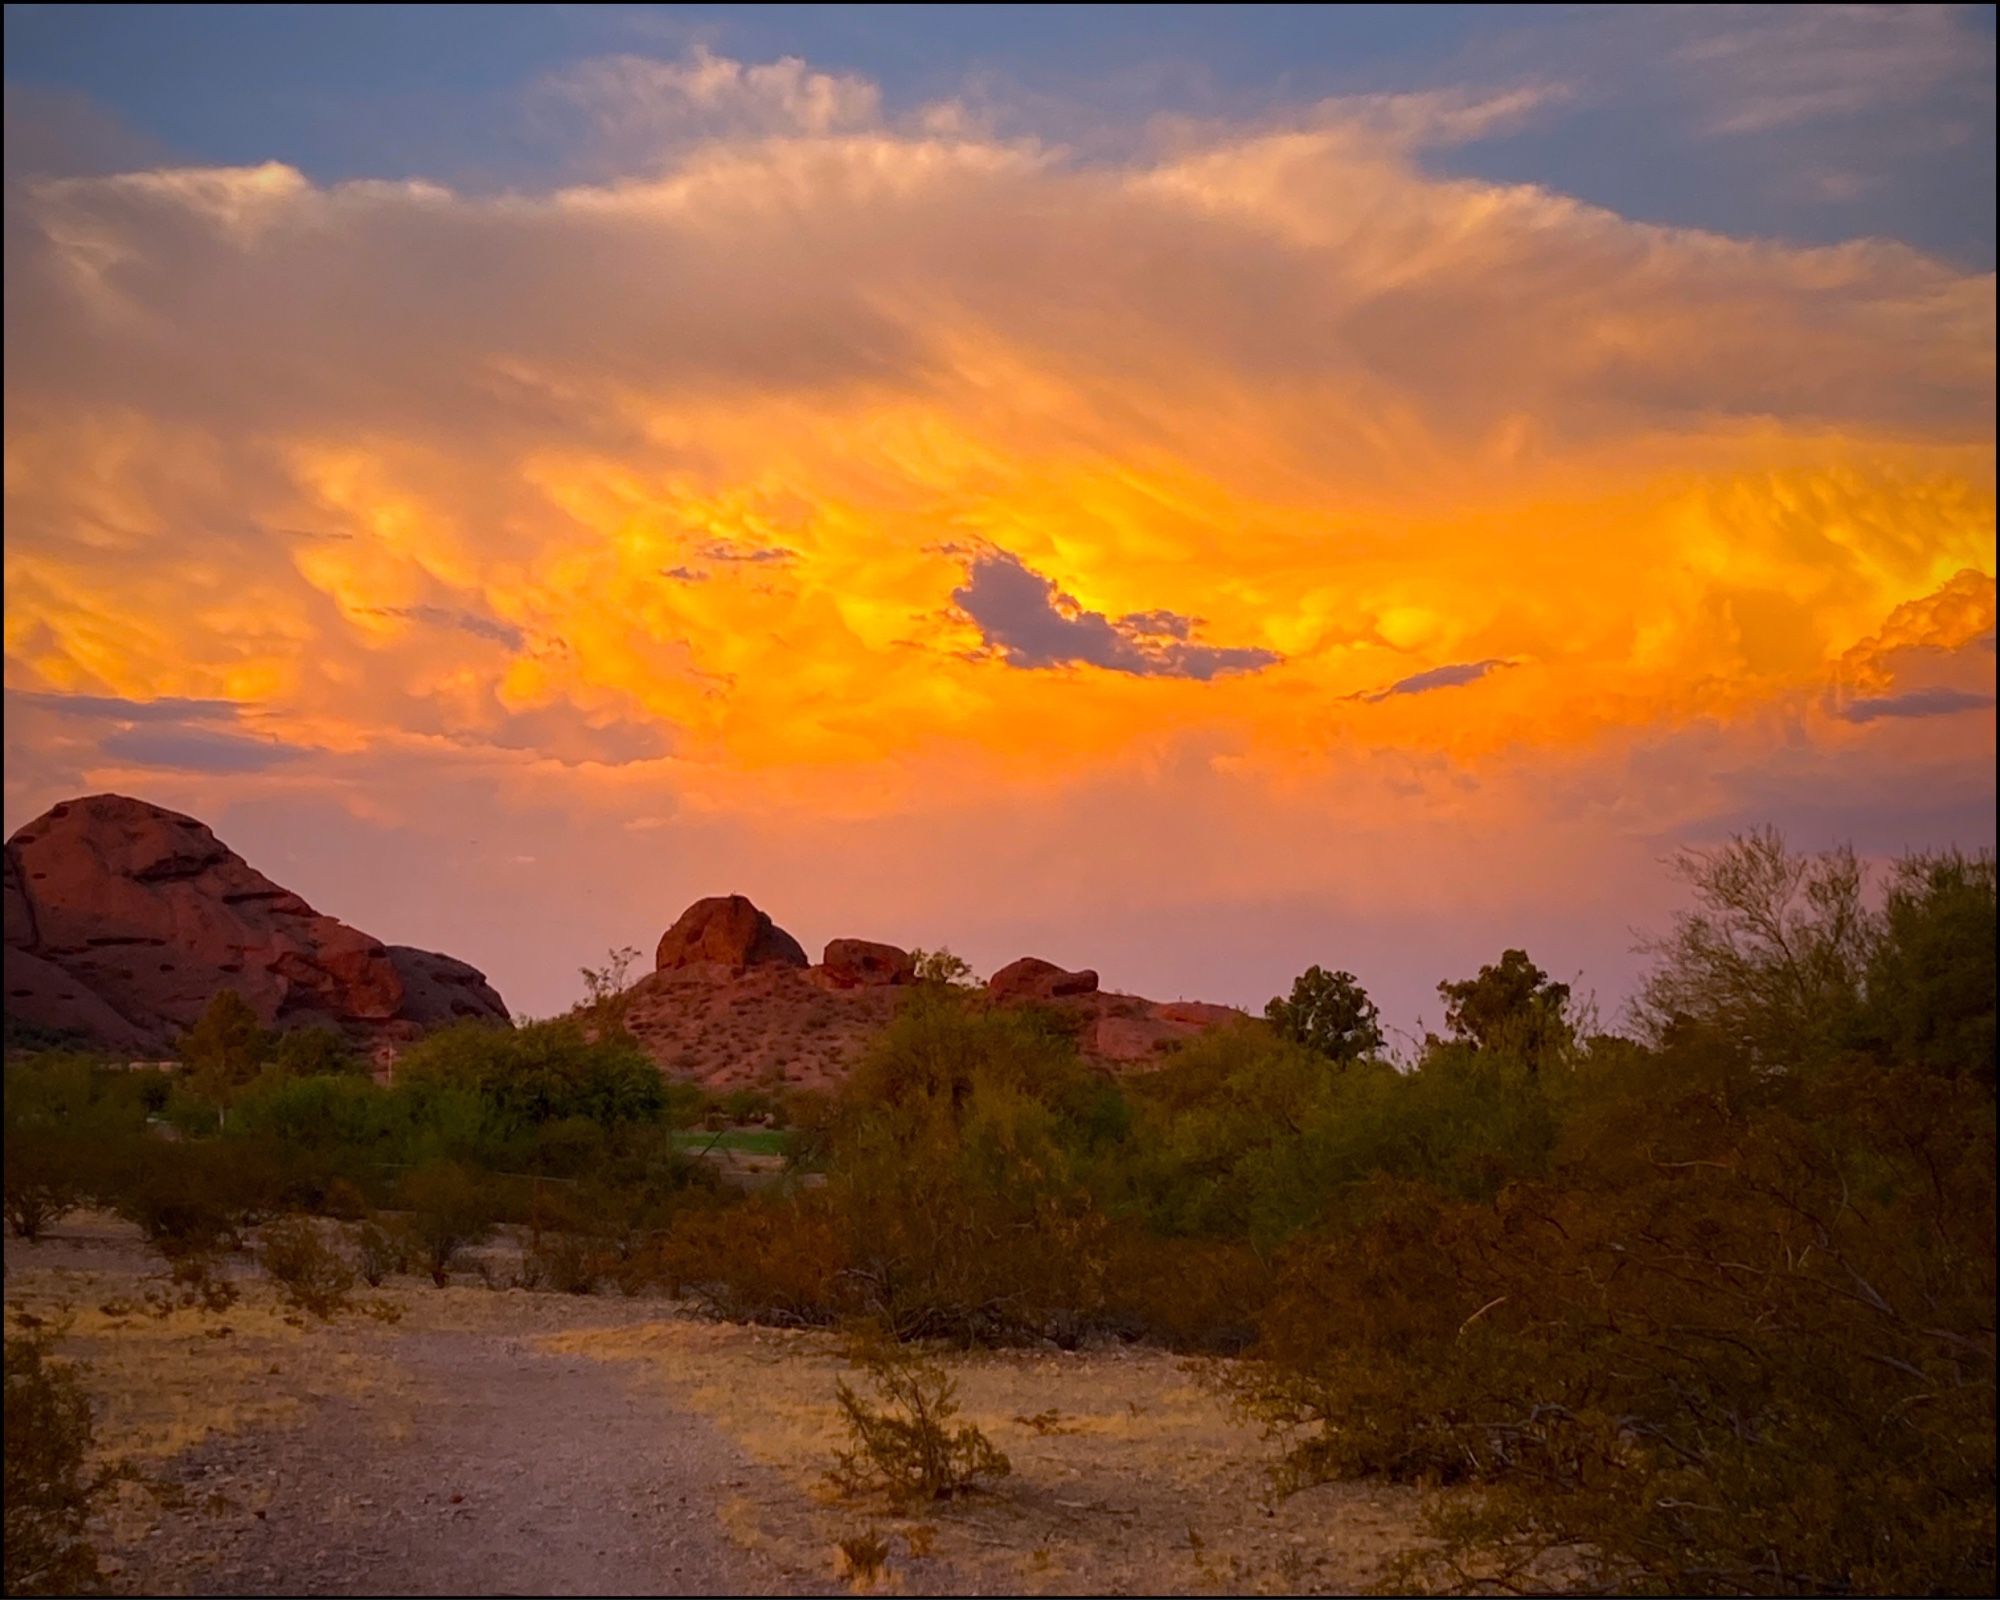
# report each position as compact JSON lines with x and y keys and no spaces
{"x":168,"y":708}
{"x":463,"y":621}
{"x":197,"y":750}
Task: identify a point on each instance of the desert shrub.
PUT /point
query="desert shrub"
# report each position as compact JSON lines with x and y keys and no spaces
{"x":378,"y":1252}
{"x":957,"y":1177}
{"x":1771,"y":958}
{"x":569,"y":1263}
{"x":1931,"y":977}
{"x":1198,"y":1295}
{"x":317,"y":1052}
{"x":180,"y":1196}
{"x":941,"y":967}
{"x":311,"y":1274}
{"x":527,"y":1077}
{"x":1247,"y":1136}
{"x":41,"y":1185}
{"x":861,"y":1558}
{"x":903,"y":1440}
{"x":193,"y":1281}
{"x":51,"y":1483}
{"x":768,"y":1258}
{"x":605,"y":1000}
{"x":447,"y":1210}
{"x":1749,"y":1351}
{"x":68,"y":1118}
{"x":343,"y":1201}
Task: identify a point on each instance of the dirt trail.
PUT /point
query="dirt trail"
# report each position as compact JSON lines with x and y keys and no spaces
{"x":516,"y":1472}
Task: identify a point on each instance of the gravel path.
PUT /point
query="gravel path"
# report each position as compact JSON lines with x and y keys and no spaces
{"x":516,"y":1472}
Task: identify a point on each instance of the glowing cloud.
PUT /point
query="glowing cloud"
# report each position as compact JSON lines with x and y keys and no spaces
{"x":760,"y":484}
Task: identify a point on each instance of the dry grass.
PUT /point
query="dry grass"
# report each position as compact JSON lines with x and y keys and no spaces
{"x":163,"y":1384}
{"x":1130,"y":1474}
{"x":1144,"y":1480}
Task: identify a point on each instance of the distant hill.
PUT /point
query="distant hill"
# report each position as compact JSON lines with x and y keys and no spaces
{"x":124,"y":919}
{"x":733,"y":1002}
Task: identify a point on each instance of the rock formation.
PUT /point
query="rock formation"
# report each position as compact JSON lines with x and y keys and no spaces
{"x":124,"y":919}
{"x":858,"y":963}
{"x":1032,"y":978}
{"x":733,"y":1004}
{"x":726,"y":930}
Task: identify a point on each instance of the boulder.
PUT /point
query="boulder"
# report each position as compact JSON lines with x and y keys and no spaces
{"x":438,"y":989}
{"x":1031,"y":978}
{"x":149,"y":914}
{"x":726,"y":930}
{"x":861,"y":963}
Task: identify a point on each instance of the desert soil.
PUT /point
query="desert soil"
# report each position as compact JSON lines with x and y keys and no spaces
{"x":497,"y":1441}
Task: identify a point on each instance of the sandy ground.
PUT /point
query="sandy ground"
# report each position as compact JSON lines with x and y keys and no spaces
{"x":494,"y":1441}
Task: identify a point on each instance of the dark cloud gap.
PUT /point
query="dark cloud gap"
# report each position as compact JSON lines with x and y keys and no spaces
{"x":1029,"y":622}
{"x":1452,"y":676}
{"x":722,"y":550}
{"x":1915,"y":703}
{"x":169,"y":708}
{"x":464,"y":621}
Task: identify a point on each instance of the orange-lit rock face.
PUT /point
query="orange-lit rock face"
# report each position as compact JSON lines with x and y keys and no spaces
{"x":932,"y":519}
{"x":1032,"y":978}
{"x":726,"y":930}
{"x":859,"y":963}
{"x":124,"y":920}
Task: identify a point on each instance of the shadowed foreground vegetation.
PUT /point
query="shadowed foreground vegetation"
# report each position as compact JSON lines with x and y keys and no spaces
{"x":1703,"y":1309}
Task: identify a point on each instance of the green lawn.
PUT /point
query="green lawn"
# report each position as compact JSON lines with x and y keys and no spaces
{"x":752,"y":1141}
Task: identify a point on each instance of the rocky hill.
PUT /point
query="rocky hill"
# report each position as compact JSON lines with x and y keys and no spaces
{"x":124,"y":919}
{"x":734,"y":1003}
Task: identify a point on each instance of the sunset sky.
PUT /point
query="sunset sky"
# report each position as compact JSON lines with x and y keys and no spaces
{"x":1191,"y":493}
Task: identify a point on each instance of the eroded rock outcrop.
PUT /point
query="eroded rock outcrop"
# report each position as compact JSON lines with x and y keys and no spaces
{"x":726,"y":930}
{"x":124,"y":919}
{"x":733,"y":1004}
{"x":1032,"y":978}
{"x":863,"y":963}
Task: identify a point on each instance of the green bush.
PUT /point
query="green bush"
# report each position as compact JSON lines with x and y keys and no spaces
{"x":41,"y":1184}
{"x":317,"y":1052}
{"x":1751,"y":1352}
{"x":957,"y":1177}
{"x":541,"y":1073}
{"x":1930,"y":992}
{"x":447,"y":1210}
{"x":227,"y":1046}
{"x":52,"y":1486}
{"x":1329,"y":1013}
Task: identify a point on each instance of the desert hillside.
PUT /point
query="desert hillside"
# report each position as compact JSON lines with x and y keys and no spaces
{"x":733,"y":1003}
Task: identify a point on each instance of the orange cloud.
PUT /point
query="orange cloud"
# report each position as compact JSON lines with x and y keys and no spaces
{"x":687,"y":493}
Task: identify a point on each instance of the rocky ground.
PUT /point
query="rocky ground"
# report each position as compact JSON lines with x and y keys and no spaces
{"x":493,"y":1441}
